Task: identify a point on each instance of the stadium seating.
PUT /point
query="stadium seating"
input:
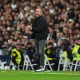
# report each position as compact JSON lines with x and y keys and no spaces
{"x":28,"y":63}
{"x":47,"y":63}
{"x":64,"y":64}
{"x":75,"y":66}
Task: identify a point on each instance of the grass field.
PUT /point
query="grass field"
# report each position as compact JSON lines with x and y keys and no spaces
{"x":30,"y":75}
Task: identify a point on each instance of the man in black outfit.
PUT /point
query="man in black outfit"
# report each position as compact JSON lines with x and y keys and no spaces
{"x":40,"y":33}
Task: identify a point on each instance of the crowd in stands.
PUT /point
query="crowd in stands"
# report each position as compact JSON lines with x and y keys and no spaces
{"x":63,"y":17}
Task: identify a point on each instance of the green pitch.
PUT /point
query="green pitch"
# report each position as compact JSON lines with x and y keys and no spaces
{"x":30,"y":75}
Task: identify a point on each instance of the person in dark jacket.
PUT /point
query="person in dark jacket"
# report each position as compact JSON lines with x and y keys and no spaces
{"x":40,"y":33}
{"x":66,"y":47}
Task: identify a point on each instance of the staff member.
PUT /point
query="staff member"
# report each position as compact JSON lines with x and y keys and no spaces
{"x":17,"y":56}
{"x":76,"y":50}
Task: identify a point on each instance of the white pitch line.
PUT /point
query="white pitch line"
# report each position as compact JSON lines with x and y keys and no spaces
{"x":46,"y":72}
{"x":54,"y":73}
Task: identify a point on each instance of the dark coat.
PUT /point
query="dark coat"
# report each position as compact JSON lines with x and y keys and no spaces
{"x":40,"y":28}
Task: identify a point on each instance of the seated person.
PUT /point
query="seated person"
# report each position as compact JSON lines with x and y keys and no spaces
{"x":30,"y":51}
{"x":50,"y":51}
{"x":17,"y":56}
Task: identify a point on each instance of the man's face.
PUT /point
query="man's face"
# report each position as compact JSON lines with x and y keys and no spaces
{"x":38,"y":12}
{"x":18,"y":47}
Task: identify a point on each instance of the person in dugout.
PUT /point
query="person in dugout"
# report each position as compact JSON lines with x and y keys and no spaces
{"x":30,"y":51}
{"x":66,"y":50}
{"x":66,"y":46}
{"x":76,"y":51}
{"x":50,"y":51}
{"x":17,"y":57}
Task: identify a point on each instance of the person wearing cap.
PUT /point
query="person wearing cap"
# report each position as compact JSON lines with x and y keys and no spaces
{"x":17,"y":56}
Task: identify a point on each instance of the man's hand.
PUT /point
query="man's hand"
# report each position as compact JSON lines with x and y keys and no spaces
{"x":28,"y":29}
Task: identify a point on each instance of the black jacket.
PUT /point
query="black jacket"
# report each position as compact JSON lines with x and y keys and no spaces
{"x":40,"y":28}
